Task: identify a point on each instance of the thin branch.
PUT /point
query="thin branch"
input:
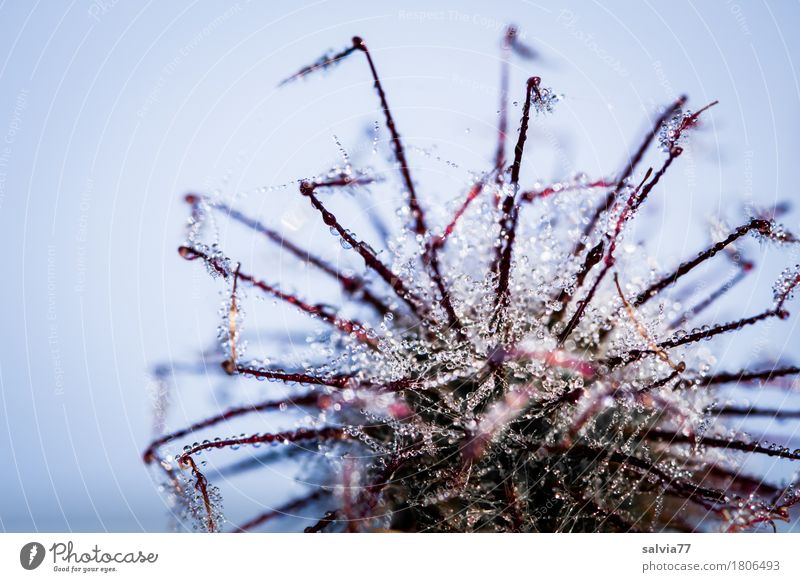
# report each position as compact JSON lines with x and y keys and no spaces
{"x":352,"y":285}
{"x":347,"y":326}
{"x":762,"y":226}
{"x":307,"y":400}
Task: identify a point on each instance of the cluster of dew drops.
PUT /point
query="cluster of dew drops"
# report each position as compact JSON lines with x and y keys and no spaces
{"x":436,"y":358}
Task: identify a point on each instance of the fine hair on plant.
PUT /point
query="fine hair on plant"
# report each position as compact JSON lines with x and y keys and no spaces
{"x":517,"y":367}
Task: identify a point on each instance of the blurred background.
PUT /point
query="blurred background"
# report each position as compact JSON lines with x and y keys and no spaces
{"x":110,"y":111}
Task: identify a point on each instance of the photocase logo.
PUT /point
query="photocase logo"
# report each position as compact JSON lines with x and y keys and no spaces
{"x":31,"y":555}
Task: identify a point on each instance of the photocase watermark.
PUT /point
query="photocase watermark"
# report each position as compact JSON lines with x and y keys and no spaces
{"x":66,"y":558}
{"x":747,"y":174}
{"x":690,"y":162}
{"x":473,"y":18}
{"x":169,"y":69}
{"x":100,"y":8}
{"x":20,"y":105}
{"x":422,"y":15}
{"x":739,"y":16}
{"x":663,"y":80}
{"x":6,"y":147}
{"x":31,"y":555}
{"x":82,"y":236}
{"x":569,"y":20}
{"x":52,"y":319}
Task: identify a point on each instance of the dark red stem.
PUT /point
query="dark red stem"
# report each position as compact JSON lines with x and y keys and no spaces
{"x":370,"y":260}
{"x":352,"y":285}
{"x":719,"y":443}
{"x":344,"y":325}
{"x":761,"y":225}
{"x":510,"y":209}
{"x":303,"y":434}
{"x":149,"y":454}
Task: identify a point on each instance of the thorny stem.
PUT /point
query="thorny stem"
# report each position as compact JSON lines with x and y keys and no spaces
{"x":532,"y":195}
{"x":322,"y":63}
{"x":688,"y":122}
{"x":679,"y":369}
{"x":233,"y":313}
{"x":307,"y":400}
{"x":762,"y":226}
{"x":724,"y":328}
{"x":332,"y":382}
{"x":675,"y":341}
{"x":510,"y":42}
{"x":416,"y":210}
{"x":344,"y":325}
{"x":714,"y":296}
{"x":499,"y":411}
{"x":431,"y":255}
{"x":719,"y":443}
{"x":473,"y":193}
{"x":339,"y":381}
{"x":371,"y":493}
{"x":776,"y":413}
{"x":532,"y":87}
{"x":564,"y":297}
{"x":352,"y":285}
{"x":627,"y":172}
{"x":677,"y":486}
{"x":509,"y":215}
{"x":327,"y":519}
{"x":740,"y":377}
{"x":510,"y":209}
{"x":370,"y":260}
{"x":637,"y":197}
{"x":302,"y":434}
{"x":633,"y":202}
{"x":201,"y":484}
{"x":643,"y":330}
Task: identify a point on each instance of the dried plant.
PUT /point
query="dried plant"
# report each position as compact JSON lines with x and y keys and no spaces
{"x":519,"y":368}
